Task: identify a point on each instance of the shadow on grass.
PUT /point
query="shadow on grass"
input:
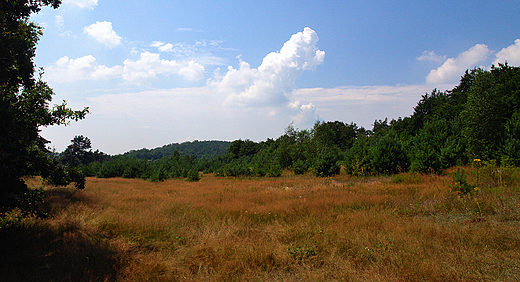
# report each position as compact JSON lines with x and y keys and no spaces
{"x":55,"y":249}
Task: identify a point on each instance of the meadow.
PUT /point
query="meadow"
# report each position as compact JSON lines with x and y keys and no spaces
{"x":406,"y":227}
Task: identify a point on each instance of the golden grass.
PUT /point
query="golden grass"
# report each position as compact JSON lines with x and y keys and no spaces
{"x":292,"y":228}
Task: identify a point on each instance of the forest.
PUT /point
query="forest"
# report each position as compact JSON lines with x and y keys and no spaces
{"x":477,"y":120}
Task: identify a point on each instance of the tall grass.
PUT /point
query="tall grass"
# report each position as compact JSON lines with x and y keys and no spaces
{"x":409,"y":227}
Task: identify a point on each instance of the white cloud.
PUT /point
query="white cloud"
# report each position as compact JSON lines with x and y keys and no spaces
{"x":200,"y":52}
{"x":162,"y":47}
{"x":150,"y":65}
{"x":510,"y":54}
{"x":90,"y":4}
{"x":103,"y":33}
{"x":59,"y":22}
{"x":305,"y":114}
{"x":85,"y":68}
{"x":431,"y":56}
{"x":168,"y":47}
{"x":192,"y":71}
{"x":147,"y":68}
{"x":453,"y":68}
{"x":362,"y":104}
{"x":273,"y":82}
{"x":163,"y":113}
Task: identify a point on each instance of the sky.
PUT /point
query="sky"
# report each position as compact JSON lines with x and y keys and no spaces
{"x":159,"y":72}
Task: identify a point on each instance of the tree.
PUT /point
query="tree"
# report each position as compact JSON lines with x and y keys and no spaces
{"x":240,"y":148}
{"x":511,"y":149}
{"x":493,"y":98}
{"x":79,"y":152}
{"x":388,"y":156}
{"x":326,"y":162}
{"x":24,"y":105}
{"x":380,"y":127}
{"x":336,"y":134}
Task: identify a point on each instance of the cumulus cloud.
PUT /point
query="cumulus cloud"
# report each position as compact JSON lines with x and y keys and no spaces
{"x":90,"y":4}
{"x":199,"y":52}
{"x":431,"y":56}
{"x":147,"y":68}
{"x":510,"y":54}
{"x":162,"y":47}
{"x":272,"y":83}
{"x":85,"y":68}
{"x":103,"y":33}
{"x":305,"y":114}
{"x":453,"y":68}
{"x":150,"y":65}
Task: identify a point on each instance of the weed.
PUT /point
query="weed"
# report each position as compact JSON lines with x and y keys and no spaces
{"x":406,"y":178}
{"x":193,"y":175}
{"x":461,"y":184}
{"x":302,"y":252}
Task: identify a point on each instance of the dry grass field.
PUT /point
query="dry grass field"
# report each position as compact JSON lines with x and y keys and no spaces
{"x":408,"y":227}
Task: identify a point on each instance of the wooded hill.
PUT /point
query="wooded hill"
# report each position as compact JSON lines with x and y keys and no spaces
{"x":196,"y":148}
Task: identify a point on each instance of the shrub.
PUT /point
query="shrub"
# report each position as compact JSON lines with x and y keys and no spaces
{"x":357,"y":158}
{"x":388,"y":156}
{"x":461,"y":184}
{"x":326,"y":163}
{"x":275,"y":170}
{"x":299,"y":167}
{"x":159,"y":175}
{"x":193,"y":175}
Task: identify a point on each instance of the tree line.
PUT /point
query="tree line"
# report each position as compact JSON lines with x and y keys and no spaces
{"x":477,"y":119}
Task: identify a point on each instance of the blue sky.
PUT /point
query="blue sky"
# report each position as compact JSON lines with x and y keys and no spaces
{"x":160,"y":72}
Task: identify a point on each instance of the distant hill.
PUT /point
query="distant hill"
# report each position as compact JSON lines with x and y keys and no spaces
{"x":195,"y":148}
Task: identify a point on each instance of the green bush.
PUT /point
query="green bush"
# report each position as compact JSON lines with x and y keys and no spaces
{"x":326,"y":163}
{"x":275,"y":170}
{"x":461,"y":184}
{"x":299,"y":167}
{"x":193,"y":175}
{"x":388,"y":156}
{"x":357,"y":159}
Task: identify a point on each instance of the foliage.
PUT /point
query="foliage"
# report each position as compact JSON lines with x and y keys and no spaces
{"x":511,"y":148}
{"x":461,"y":184}
{"x":24,"y":105}
{"x":388,"y":156}
{"x":193,"y":176}
{"x":438,"y":145}
{"x":242,"y":148}
{"x":357,"y":160}
{"x":200,"y":149}
{"x":493,"y":99}
{"x":335,"y":134}
{"x":299,"y":167}
{"x":326,"y":163}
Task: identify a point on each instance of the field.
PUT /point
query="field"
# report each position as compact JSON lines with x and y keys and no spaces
{"x":409,"y":227}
